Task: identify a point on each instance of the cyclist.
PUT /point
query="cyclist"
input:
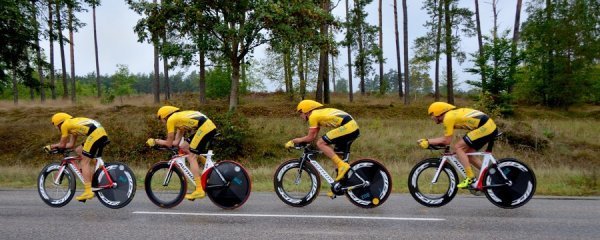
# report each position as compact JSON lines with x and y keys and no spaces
{"x":70,"y":128}
{"x":481,"y":131}
{"x":178,"y":123}
{"x":345,"y":130}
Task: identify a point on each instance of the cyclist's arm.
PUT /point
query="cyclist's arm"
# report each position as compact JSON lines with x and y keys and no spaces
{"x":63,"y":142}
{"x":312,"y":134}
{"x":178,"y":137}
{"x":167,"y":142}
{"x":445,"y":140}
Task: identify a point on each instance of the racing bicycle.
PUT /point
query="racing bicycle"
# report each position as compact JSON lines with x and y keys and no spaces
{"x":113,"y":183}
{"x":507,"y":182}
{"x":226,"y":183}
{"x":297,"y":183}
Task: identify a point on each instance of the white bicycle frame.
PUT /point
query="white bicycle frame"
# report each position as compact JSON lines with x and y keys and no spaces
{"x":488,"y":159}
{"x":179,"y":161}
{"x":75,"y":169}
{"x":324,"y":174}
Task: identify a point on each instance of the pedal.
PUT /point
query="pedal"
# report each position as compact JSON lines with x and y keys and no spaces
{"x":83,"y":201}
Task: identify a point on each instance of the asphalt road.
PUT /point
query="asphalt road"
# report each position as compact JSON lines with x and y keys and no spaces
{"x":23,"y":215}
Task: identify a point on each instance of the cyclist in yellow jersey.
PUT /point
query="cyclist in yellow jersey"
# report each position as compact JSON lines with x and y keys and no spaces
{"x":345,"y":130}
{"x":70,"y":128}
{"x":482,"y":130}
{"x":178,"y":123}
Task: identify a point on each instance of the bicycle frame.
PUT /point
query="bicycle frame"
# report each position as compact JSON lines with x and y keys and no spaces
{"x":179,"y":162}
{"x":488,"y":159}
{"x":70,"y":161}
{"x":310,"y":155}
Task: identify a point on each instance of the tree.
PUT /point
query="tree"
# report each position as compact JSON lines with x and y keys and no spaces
{"x":366,"y":49}
{"x":562,"y":47}
{"x":399,"y":68}
{"x":495,"y":64}
{"x":479,"y":38}
{"x":348,"y":41}
{"x":73,"y":25}
{"x":291,"y":26}
{"x":94,"y":4}
{"x":148,"y":30}
{"x":428,"y":47}
{"x":380,"y":56}
{"x":454,"y":18}
{"x":17,"y":36}
{"x":122,"y":82}
{"x":51,"y":41}
{"x":515,"y":40}
{"x":406,"y":71}
{"x":237,"y":26}
{"x":39,"y":62}
{"x":59,"y":28}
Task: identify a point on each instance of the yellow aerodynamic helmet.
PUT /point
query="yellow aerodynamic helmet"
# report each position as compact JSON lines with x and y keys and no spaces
{"x":438,"y":108}
{"x":59,"y":118}
{"x":307,"y":105}
{"x":165,"y":111}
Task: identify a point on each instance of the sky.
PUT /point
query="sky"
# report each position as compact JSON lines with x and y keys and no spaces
{"x":118,"y":44}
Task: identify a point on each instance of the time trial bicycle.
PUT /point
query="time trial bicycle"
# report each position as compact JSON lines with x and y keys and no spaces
{"x":113,"y":183}
{"x":367,"y":184}
{"x":507,"y":182}
{"x":226,"y":183}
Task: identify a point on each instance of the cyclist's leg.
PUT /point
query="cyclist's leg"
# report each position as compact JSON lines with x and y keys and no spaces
{"x":473,"y":141}
{"x":340,"y":135}
{"x":197,"y":145}
{"x":92,"y":148}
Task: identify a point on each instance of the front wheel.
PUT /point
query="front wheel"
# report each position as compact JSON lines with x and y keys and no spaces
{"x":379,"y":183}
{"x":227,"y":184}
{"x":296,"y":185}
{"x":427,"y":191}
{"x":123,"y":186}
{"x":56,"y":189}
{"x":165,"y":185}
{"x":521,"y":188}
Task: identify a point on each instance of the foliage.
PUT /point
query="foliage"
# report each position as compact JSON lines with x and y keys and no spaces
{"x":562,"y":47}
{"x":218,"y":82}
{"x":17,"y":36}
{"x":122,"y":82}
{"x":235,"y":133}
{"x":495,"y":63}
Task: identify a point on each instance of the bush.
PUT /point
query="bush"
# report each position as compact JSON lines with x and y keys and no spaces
{"x":234,"y":133}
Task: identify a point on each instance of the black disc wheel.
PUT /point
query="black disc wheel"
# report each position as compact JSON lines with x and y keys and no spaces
{"x":55,"y":188}
{"x":515,"y":193}
{"x":377,"y":178}
{"x":427,"y":191}
{"x":227,"y":184}
{"x":118,"y":185}
{"x":165,"y":186}
{"x":296,"y":185}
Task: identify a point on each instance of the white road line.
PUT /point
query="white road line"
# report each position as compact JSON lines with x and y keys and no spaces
{"x":290,"y":216}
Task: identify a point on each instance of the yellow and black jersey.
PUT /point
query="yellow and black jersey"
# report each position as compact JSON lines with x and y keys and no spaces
{"x":79,"y":126}
{"x":328,"y":117}
{"x":469,"y":119}
{"x":185,"y":120}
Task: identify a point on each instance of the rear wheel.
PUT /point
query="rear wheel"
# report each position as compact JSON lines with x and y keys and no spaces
{"x":522,"y":185}
{"x":294,"y":185}
{"x":227,"y":184}
{"x":378,"y":178}
{"x":429,"y":193}
{"x":56,"y":194}
{"x":165,"y":186}
{"x":123,"y":186}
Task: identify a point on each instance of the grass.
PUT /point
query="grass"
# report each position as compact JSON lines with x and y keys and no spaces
{"x":389,"y":130}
